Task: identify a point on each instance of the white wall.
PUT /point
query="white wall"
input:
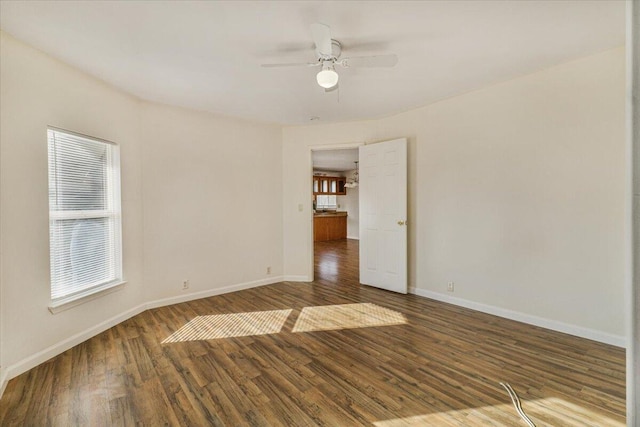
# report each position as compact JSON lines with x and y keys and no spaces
{"x":201,"y":200}
{"x":516,"y":193}
{"x":212,"y":201}
{"x":350,"y":203}
{"x":37,"y":91}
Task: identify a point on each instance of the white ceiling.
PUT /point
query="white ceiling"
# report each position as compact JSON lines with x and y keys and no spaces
{"x":207,"y":55}
{"x":335,"y":160}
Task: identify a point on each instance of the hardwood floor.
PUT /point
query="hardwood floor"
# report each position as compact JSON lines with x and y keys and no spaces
{"x":328,"y":353}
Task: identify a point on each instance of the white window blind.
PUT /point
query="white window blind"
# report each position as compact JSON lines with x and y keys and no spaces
{"x":84,"y":215}
{"x":326,"y":202}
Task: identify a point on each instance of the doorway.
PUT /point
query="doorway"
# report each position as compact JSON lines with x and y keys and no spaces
{"x":382,"y":210}
{"x":336,"y":216}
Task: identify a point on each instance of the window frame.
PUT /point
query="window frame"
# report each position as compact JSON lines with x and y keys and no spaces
{"x":327,"y":205}
{"x":60,"y":256}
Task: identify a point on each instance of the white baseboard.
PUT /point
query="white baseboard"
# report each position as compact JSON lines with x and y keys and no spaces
{"x":4,"y":379}
{"x":212,"y":292}
{"x":554,"y":325}
{"x":353,"y":237}
{"x":296,"y":279}
{"x":42,"y":356}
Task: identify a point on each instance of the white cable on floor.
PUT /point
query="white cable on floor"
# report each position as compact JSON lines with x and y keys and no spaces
{"x":516,"y":403}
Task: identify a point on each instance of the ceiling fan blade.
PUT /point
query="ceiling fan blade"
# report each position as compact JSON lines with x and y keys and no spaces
{"x":321,"y":35}
{"x":292,"y":64}
{"x":389,"y":60}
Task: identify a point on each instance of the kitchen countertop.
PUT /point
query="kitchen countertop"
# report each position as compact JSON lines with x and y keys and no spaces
{"x":339,"y":213}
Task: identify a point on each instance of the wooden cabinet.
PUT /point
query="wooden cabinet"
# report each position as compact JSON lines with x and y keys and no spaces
{"x":329,"y":227}
{"x":329,"y":185}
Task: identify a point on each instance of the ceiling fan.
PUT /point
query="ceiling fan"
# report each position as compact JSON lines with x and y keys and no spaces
{"x":328,"y":53}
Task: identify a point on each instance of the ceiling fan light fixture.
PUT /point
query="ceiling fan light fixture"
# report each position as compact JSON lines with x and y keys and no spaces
{"x":327,"y":77}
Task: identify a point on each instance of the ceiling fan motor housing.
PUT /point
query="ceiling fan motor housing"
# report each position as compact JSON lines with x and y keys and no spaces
{"x":336,"y":50}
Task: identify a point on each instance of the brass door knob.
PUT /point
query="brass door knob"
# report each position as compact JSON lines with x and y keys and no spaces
{"x":402,"y":222}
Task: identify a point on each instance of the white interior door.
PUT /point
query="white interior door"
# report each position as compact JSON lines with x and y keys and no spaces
{"x":383,"y":215}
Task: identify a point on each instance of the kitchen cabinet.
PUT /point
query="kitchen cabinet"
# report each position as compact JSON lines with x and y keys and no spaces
{"x":331,"y":226}
{"x":329,"y":185}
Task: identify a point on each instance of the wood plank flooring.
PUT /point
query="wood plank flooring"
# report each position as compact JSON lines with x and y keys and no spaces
{"x":289,"y":361}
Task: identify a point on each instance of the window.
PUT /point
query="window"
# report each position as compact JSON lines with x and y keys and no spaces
{"x":326,"y":202}
{"x":84,"y":216}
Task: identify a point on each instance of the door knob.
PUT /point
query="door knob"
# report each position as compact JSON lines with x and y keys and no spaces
{"x":402,"y":222}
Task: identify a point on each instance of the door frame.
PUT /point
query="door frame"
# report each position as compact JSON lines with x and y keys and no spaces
{"x":309,"y":180}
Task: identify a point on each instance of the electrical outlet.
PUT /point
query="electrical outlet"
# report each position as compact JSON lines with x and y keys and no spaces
{"x":450,"y":286}
{"x":185,"y":284}
{"x":268,"y":270}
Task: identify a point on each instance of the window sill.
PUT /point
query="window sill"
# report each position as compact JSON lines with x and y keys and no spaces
{"x":86,"y":296}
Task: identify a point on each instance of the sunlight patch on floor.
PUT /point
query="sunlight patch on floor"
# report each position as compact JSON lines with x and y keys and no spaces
{"x":549,"y":411}
{"x":231,"y":325}
{"x":557,"y":408}
{"x":346,"y":316}
{"x":462,"y":417}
